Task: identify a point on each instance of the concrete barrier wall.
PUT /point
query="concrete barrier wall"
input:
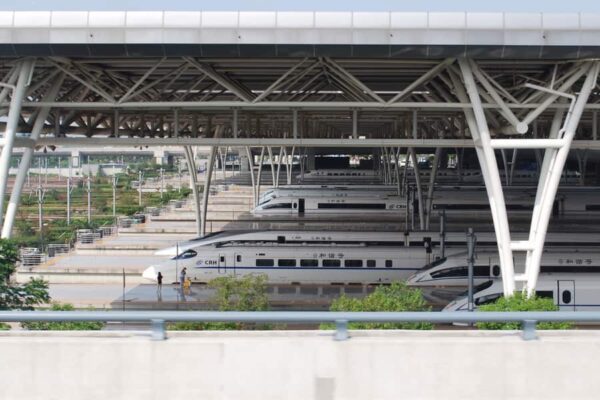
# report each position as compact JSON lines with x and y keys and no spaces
{"x":299,"y":365}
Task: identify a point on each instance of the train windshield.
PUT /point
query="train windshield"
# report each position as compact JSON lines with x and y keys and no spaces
{"x":462,"y":271}
{"x":185,"y":255}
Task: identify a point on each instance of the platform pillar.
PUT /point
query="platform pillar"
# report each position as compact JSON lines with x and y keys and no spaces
{"x":15,"y":196}
{"x":12,"y":124}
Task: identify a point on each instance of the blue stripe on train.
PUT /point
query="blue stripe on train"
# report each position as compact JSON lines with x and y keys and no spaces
{"x":312,"y":268}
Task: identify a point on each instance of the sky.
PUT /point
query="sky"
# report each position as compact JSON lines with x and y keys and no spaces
{"x":306,"y":5}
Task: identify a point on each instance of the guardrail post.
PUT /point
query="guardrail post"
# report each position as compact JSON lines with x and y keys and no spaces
{"x":341,"y":330}
{"x":158,"y":329}
{"x":528,"y":327}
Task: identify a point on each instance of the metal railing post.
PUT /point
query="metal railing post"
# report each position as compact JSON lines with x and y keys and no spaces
{"x":528,"y":327}
{"x":158,"y":329}
{"x":341,"y":330}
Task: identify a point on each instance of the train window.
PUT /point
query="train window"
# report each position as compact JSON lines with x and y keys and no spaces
{"x":286,"y":262}
{"x":222,"y":259}
{"x":264,"y":262}
{"x":388,"y":263}
{"x":371,"y":264}
{"x":238,"y":258}
{"x":459,"y":272}
{"x":186,"y":254}
{"x":496,"y":270}
{"x":280,"y":205}
{"x":309,"y":263}
{"x":544,"y":294}
{"x":353,"y":263}
{"x":331,"y":263}
{"x":566,"y":296}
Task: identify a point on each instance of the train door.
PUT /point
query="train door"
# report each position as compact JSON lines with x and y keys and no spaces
{"x":301,"y":206}
{"x":566,"y":295}
{"x":237,"y":261}
{"x":222,"y":267}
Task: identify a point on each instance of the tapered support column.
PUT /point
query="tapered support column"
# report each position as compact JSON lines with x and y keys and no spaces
{"x":489,"y":168}
{"x":189,"y":158}
{"x":12,"y":122}
{"x":11,"y":209}
{"x":209,"y":170}
{"x":251,"y":167}
{"x":431,"y":187}
{"x":554,"y":161}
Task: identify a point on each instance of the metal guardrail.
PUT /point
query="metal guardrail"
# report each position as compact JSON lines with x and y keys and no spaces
{"x":158,"y":319}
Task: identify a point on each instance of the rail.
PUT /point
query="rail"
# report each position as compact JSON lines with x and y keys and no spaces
{"x":158,"y":319}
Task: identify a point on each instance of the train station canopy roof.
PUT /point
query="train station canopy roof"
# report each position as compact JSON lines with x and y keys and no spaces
{"x":497,"y":35}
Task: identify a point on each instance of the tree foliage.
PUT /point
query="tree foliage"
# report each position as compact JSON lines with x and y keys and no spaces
{"x":520,"y":302}
{"x":395,"y":297}
{"x":9,"y":254}
{"x":18,"y":297}
{"x":248,"y":293}
{"x":63,"y":325}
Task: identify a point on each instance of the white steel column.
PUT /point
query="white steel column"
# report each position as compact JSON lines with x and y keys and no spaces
{"x":417,"y":173}
{"x":12,"y":123}
{"x":11,"y":209}
{"x":205,"y":192}
{"x":272,"y":163}
{"x":549,"y":181}
{"x":430,"y":189}
{"x":489,"y":168}
{"x":259,"y":173}
{"x":189,"y":158}
{"x":251,"y":167}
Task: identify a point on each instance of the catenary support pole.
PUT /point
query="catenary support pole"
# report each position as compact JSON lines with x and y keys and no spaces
{"x":12,"y":123}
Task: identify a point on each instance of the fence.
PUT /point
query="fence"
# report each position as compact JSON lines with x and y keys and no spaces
{"x":31,"y":256}
{"x":528,"y":320}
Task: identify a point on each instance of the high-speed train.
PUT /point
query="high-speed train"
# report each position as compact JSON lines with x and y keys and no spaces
{"x":357,"y":203}
{"x":574,"y":291}
{"x":453,"y":270}
{"x":443,"y":175}
{"x":309,"y":256}
{"x":475,"y":200}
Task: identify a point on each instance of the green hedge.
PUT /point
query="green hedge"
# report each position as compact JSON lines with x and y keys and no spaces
{"x":63,"y":325}
{"x":395,"y":297}
{"x":520,"y":302}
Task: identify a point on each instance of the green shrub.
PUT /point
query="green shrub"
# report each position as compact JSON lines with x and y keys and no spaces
{"x":63,"y":325}
{"x":520,"y":302}
{"x":395,"y":297}
{"x":248,"y":293}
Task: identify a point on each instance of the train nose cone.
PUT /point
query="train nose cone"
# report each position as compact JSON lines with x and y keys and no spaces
{"x":149,"y":273}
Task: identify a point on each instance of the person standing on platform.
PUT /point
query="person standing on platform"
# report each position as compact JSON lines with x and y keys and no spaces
{"x":182,"y":277}
{"x":159,"y":279}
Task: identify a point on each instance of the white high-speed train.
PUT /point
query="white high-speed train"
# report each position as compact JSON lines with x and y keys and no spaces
{"x":443,"y":175}
{"x":384,"y":256}
{"x":357,"y":203}
{"x":573,"y":291}
{"x":472,"y":200}
{"x":452,"y":271}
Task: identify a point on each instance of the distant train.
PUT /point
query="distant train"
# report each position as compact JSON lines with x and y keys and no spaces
{"x":382,"y":200}
{"x":519,"y":177}
{"x":573,"y":291}
{"x":453,"y":271}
